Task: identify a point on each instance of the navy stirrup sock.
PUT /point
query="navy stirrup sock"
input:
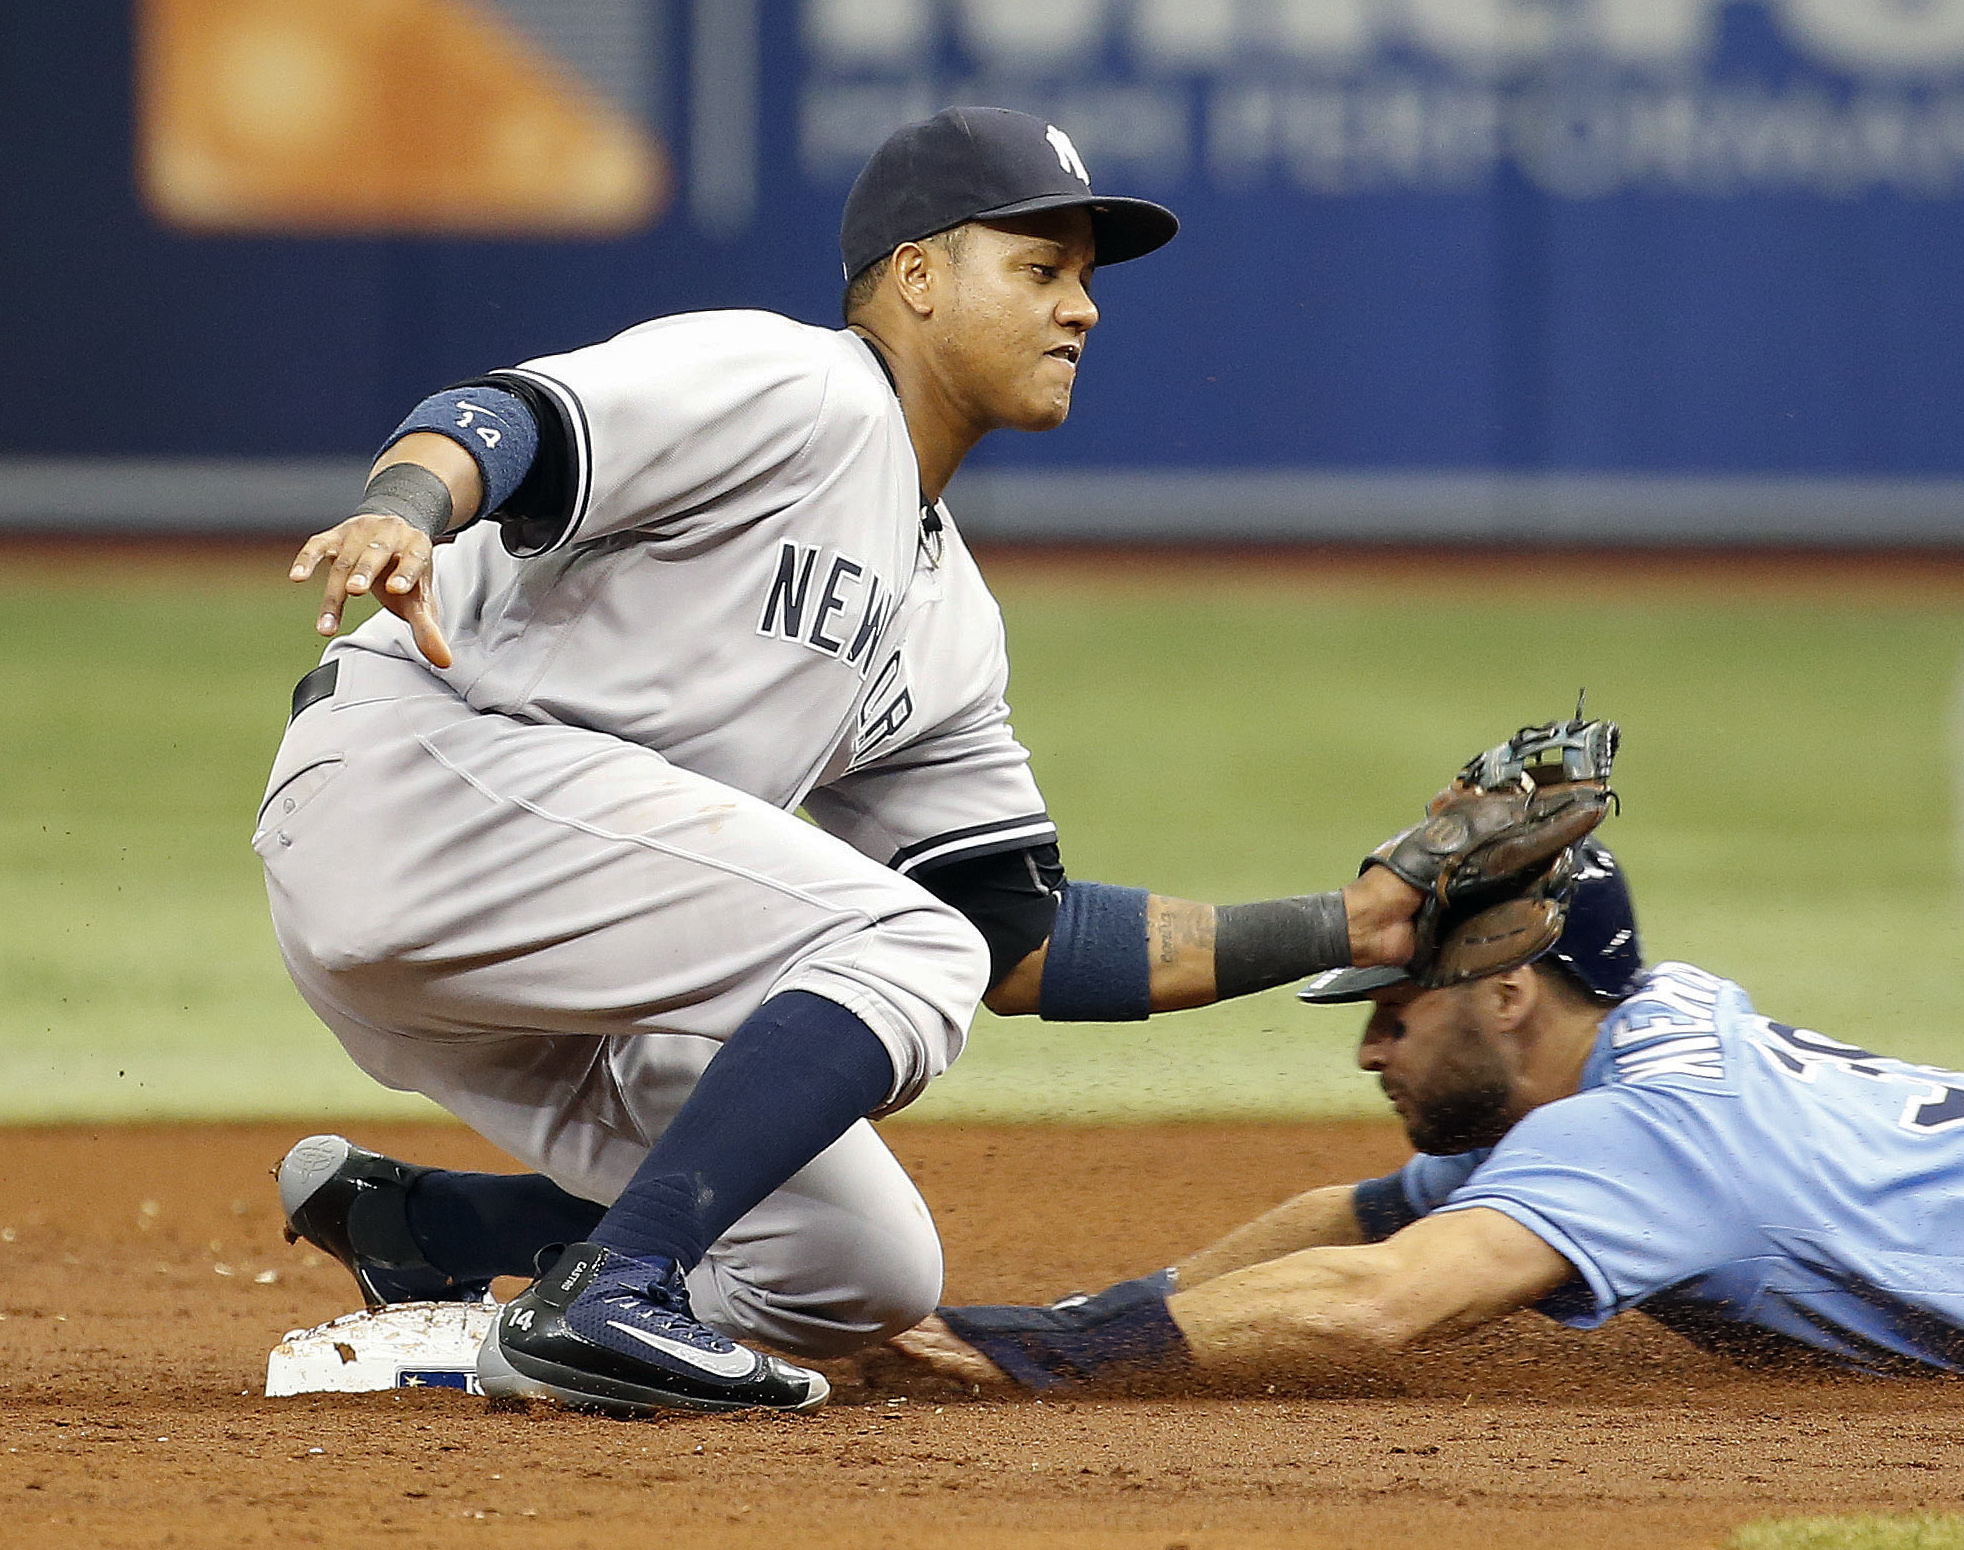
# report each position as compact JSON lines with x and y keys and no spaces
{"x":473,"y":1226}
{"x":789,"y":1083}
{"x":793,"y":1079}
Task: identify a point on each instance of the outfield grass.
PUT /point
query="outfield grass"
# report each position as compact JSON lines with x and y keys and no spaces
{"x":1788,"y":777}
{"x":1874,"y":1531}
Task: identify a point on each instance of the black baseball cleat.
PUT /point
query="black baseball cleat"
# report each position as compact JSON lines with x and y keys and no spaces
{"x":353,"y":1203}
{"x":608,"y":1332}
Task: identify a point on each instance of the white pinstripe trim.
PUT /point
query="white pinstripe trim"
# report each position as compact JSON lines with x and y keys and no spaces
{"x":993,"y":840}
{"x":575,"y":415}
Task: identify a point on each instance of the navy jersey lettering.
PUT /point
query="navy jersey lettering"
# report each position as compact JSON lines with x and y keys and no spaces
{"x":851,"y":604}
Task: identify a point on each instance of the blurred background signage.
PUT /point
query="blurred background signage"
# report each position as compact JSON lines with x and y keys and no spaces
{"x":1324,"y":98}
{"x":409,"y":116}
{"x":1592,"y":269}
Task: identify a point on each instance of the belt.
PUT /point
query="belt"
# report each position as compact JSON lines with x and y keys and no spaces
{"x":315,"y":687}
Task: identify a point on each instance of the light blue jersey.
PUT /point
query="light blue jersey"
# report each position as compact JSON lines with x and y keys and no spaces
{"x":1723,"y":1170}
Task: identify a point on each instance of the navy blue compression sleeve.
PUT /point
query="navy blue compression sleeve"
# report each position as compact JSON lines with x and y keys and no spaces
{"x":1381,"y":1206}
{"x":1125,"y":1327}
{"x":494,"y":426}
{"x":1097,"y":969}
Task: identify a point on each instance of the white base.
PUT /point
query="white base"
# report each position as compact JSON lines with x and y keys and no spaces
{"x":410,"y":1345}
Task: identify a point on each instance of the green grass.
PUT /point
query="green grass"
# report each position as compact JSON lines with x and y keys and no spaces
{"x":1788,"y":778}
{"x":1787,"y":775}
{"x":138,"y":974}
{"x":1923,"y":1531}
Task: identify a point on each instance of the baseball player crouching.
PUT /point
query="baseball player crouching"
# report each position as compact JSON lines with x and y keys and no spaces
{"x":531,"y":841}
{"x":1593,"y":1136}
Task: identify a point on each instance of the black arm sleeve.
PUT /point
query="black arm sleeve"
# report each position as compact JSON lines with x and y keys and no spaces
{"x":1011,"y":898}
{"x":536,"y":514}
{"x":1278,"y":940}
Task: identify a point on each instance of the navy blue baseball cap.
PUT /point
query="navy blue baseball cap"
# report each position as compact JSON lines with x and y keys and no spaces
{"x":1598,"y":944}
{"x":984,"y":164}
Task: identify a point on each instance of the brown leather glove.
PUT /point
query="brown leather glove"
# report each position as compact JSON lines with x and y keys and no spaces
{"x":1493,"y":853}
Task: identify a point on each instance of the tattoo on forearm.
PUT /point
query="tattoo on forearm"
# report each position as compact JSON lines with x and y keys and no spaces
{"x":1180,"y":929}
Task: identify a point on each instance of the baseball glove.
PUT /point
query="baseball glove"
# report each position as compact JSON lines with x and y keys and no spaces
{"x":1493,"y":855}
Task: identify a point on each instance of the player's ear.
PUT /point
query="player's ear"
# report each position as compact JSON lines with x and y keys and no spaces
{"x":912,"y":274}
{"x":1512,"y":997}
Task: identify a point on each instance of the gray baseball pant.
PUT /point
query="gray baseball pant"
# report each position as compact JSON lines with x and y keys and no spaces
{"x":549,"y":930}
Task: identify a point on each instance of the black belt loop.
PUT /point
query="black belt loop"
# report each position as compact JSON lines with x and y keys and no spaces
{"x":315,"y":687}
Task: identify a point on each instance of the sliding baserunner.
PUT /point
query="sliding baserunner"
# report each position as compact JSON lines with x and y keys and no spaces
{"x":1592,"y":1136}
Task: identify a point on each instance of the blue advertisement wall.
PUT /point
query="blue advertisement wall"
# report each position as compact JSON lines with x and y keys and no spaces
{"x":1584,"y":268}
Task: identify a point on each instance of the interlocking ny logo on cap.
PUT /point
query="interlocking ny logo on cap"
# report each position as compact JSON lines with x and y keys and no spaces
{"x":985,"y":164}
{"x":1067,"y":156}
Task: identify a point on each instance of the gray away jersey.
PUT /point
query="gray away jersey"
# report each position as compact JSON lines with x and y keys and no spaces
{"x":740,"y":581}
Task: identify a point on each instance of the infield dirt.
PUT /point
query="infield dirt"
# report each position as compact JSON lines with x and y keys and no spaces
{"x":145,"y":1280}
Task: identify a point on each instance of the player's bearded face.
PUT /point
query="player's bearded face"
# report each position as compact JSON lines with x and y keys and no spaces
{"x":1441,"y":1071}
{"x":1013,"y":327}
